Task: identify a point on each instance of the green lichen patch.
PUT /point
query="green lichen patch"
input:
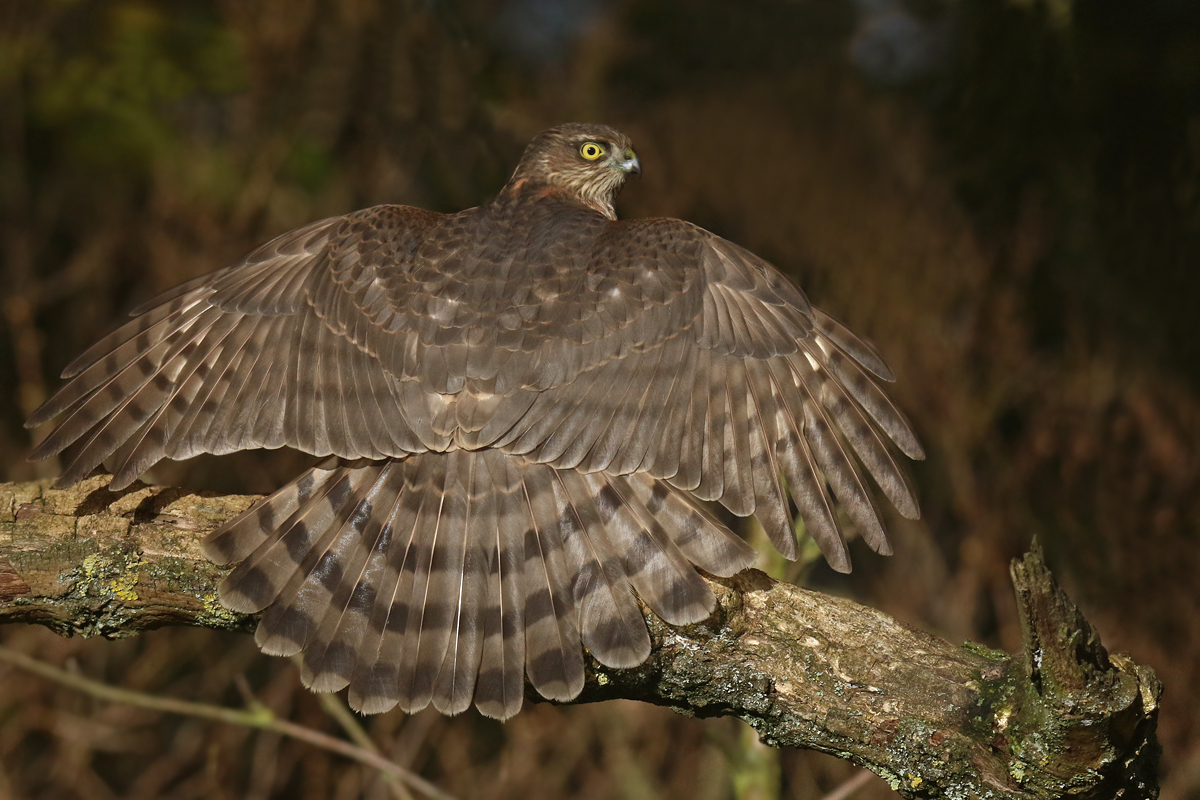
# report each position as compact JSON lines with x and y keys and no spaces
{"x":112,"y":573}
{"x":984,"y":651}
{"x":218,"y":616}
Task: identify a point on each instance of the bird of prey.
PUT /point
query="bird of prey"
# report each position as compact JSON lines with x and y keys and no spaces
{"x":525,"y":408}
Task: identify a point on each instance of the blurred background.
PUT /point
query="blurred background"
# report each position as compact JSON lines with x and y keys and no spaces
{"x":1004,"y":195}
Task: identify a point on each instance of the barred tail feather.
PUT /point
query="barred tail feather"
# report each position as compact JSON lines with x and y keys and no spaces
{"x":501,"y":685}
{"x":448,"y":578}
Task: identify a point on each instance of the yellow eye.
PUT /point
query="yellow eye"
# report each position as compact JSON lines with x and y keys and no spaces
{"x":591,"y":151}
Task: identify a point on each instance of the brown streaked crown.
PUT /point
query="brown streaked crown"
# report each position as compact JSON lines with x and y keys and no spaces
{"x":590,"y":162}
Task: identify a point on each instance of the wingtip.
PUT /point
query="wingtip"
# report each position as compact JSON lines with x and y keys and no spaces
{"x":74,"y":473}
{"x":840,"y":564}
{"x":62,"y":483}
{"x":42,"y":414}
{"x":833,"y":548}
{"x":122,"y":480}
{"x":910,"y":510}
{"x":41,"y":452}
{"x":906,"y":439}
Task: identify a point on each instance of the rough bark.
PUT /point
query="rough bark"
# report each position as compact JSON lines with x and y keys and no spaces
{"x":1063,"y":718}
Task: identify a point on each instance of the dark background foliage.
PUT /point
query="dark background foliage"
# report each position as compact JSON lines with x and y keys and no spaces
{"x":1003,"y":194}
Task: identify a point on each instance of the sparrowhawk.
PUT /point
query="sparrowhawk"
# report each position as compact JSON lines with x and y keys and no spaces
{"x":525,"y":406}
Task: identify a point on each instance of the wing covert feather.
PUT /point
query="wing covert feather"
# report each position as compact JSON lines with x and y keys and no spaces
{"x":814,"y":418}
{"x":309,"y":299}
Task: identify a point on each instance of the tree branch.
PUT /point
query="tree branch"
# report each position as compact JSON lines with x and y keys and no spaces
{"x":806,"y":670}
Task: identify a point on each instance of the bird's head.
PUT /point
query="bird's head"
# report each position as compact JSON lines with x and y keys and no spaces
{"x":588,"y":162}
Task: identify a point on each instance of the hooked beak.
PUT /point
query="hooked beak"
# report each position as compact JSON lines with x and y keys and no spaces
{"x":631,"y":165}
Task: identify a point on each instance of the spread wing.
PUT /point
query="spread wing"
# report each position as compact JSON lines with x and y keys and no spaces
{"x":716,"y":375}
{"x":266,"y":353}
{"x":383,"y":333}
{"x":640,"y":346}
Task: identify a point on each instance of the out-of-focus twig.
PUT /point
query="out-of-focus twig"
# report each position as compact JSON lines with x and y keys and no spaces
{"x":850,"y":786}
{"x":258,"y":716}
{"x":336,"y":708}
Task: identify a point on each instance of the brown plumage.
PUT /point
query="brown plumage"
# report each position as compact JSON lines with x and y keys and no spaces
{"x":524,"y":405}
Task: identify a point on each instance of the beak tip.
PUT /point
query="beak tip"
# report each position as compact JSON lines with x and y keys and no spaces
{"x":631,"y":165}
